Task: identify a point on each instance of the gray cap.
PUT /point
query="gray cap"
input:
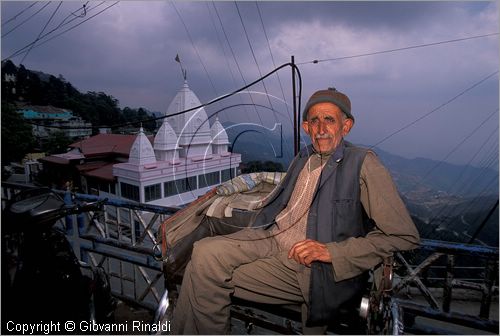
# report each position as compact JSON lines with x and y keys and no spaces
{"x":330,"y":95}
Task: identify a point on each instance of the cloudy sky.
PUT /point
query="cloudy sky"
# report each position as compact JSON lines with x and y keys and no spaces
{"x":422,"y":76}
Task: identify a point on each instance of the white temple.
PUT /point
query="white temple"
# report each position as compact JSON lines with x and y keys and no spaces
{"x":187,"y":158}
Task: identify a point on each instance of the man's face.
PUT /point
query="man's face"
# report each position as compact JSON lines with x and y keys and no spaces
{"x":326,"y":125}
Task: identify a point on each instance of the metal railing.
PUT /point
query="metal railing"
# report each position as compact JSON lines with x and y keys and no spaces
{"x":432,"y":252}
{"x":122,"y":240}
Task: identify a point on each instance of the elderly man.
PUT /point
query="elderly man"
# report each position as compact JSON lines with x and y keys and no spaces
{"x":336,"y":215}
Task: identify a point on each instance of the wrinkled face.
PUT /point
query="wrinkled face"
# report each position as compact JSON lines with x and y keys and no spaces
{"x":326,"y":125}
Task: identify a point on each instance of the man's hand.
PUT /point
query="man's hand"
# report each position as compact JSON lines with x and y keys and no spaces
{"x":307,"y":251}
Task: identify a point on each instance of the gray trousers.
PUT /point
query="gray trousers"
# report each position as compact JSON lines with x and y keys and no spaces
{"x":247,"y":264}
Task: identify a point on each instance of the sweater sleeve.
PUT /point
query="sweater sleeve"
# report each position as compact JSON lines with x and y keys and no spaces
{"x":394,"y":229}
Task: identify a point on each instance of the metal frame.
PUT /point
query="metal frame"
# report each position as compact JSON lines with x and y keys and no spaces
{"x":124,"y":243}
{"x":417,"y":277}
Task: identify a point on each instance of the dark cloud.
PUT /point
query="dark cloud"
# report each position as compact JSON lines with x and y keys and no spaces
{"x":128,"y":51}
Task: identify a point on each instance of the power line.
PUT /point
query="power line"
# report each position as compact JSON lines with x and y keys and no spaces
{"x":451,"y":152}
{"x":78,"y":24}
{"x":436,"y":109}
{"x":62,"y":24}
{"x":474,"y":156}
{"x":474,"y":182}
{"x":235,"y":60}
{"x":459,"y":145}
{"x":223,"y":49}
{"x":194,"y":47}
{"x":213,"y":101}
{"x":83,"y":8}
{"x":272,"y":59}
{"x":41,"y":32}
{"x":254,"y":57}
{"x":18,"y":14}
{"x":397,"y":49}
{"x":29,"y":18}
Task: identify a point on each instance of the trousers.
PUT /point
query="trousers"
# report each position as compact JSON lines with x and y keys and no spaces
{"x":247,"y":264}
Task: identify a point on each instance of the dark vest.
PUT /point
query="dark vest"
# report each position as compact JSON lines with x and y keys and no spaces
{"x":336,"y":214}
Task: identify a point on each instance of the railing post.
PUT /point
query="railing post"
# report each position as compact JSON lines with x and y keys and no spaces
{"x":489,"y":280}
{"x":447,"y":288}
{"x":69,"y":219}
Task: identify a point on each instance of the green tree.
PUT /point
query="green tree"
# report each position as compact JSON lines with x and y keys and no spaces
{"x":8,"y":87}
{"x":17,"y":137}
{"x":56,"y":143}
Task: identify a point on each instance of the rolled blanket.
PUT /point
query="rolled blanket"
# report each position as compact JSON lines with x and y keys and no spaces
{"x":248,"y":182}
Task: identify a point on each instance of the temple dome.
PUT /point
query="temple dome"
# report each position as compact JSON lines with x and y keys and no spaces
{"x":218,"y":133}
{"x":165,"y":139}
{"x":192,"y":127}
{"x":142,"y":151}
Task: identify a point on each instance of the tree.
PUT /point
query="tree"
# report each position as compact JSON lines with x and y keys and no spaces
{"x":9,"y":74}
{"x":17,"y":137}
{"x":56,"y":143}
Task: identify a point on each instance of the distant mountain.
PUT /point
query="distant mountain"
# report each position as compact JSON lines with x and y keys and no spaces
{"x":447,"y":201}
{"x":419,"y":174}
{"x":414,"y":177}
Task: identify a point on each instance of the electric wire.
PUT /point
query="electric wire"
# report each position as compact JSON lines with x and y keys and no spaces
{"x":215,"y":100}
{"x":459,"y":145}
{"x":479,"y":198}
{"x":397,"y":49}
{"x":472,"y":202}
{"x":20,"y":13}
{"x":436,"y":109}
{"x":84,"y":7}
{"x":223,"y":51}
{"x":441,"y":212}
{"x":254,"y":58}
{"x":75,"y":17}
{"x":194,"y":47}
{"x":272,"y":59}
{"x":41,"y":32}
{"x":62,"y":24}
{"x":29,"y":18}
{"x":78,"y":24}
{"x":235,"y":60}
{"x":469,"y":163}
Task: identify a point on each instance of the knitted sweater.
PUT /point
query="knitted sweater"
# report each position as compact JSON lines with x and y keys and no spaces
{"x":291,"y":222}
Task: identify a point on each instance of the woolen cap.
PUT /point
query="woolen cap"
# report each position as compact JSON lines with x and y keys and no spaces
{"x":330,"y":95}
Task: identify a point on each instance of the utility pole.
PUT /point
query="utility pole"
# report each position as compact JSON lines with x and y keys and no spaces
{"x":296,"y":134}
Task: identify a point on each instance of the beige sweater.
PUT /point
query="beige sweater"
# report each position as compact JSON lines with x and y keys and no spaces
{"x":291,"y":222}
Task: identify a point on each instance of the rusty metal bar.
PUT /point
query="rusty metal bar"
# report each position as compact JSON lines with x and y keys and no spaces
{"x":455,"y":318}
{"x":489,"y":280}
{"x":448,"y":284}
{"x":413,"y":277}
{"x":458,"y":248}
{"x":414,"y":272}
{"x":467,"y":285}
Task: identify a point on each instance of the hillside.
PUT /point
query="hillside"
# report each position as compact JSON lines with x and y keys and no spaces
{"x":447,"y":201}
{"x":31,"y":87}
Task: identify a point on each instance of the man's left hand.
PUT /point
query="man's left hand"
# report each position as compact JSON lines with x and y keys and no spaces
{"x":307,"y":251}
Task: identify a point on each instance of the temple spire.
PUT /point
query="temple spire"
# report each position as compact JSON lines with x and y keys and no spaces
{"x":184,"y":72}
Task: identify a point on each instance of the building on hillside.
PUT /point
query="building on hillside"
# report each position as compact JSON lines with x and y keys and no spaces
{"x":182,"y":161}
{"x":48,"y":119}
